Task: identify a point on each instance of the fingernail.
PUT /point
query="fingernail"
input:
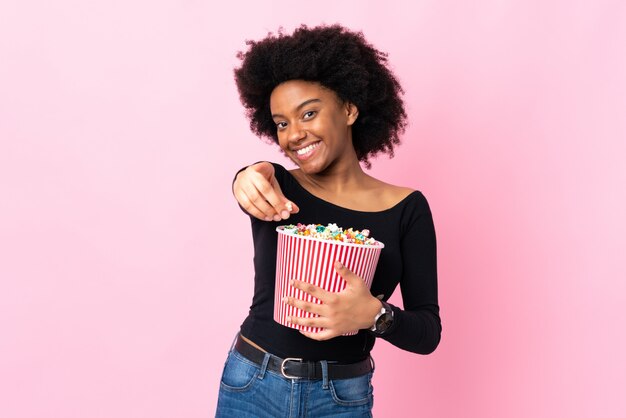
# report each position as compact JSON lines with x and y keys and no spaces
{"x":288,"y":319}
{"x":277,"y":218}
{"x":284,"y":299}
{"x":284,"y":214}
{"x":267,"y":218}
{"x":291,"y":282}
{"x":338,"y":264}
{"x":289,"y":206}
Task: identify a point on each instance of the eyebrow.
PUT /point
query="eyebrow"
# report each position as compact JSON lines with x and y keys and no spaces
{"x":300,"y":106}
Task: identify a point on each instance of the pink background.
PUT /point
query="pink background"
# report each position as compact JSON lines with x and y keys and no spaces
{"x":126,"y":266}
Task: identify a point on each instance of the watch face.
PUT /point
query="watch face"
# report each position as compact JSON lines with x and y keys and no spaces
{"x":384,"y":322}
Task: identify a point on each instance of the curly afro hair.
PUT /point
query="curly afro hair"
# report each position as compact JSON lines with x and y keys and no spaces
{"x":338,"y":59}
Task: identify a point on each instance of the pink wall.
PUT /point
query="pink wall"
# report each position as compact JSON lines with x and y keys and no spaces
{"x":125,"y":265}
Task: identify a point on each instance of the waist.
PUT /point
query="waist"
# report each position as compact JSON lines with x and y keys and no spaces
{"x":298,"y":368}
{"x":287,"y":342}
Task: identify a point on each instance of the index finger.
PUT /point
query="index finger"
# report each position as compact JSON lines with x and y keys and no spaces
{"x":311,"y":289}
{"x":272,"y":193}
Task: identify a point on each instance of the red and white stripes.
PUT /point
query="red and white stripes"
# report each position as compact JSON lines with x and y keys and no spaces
{"x":312,"y":260}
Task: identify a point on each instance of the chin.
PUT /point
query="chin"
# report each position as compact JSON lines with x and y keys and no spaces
{"x":311,"y":167}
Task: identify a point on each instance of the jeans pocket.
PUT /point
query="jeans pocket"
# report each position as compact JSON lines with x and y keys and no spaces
{"x":239,"y":374}
{"x":353,"y":391}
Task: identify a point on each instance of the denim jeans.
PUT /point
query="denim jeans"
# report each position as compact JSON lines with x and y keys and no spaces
{"x":248,"y":390}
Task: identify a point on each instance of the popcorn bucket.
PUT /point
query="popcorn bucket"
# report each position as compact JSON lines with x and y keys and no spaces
{"x":312,"y":260}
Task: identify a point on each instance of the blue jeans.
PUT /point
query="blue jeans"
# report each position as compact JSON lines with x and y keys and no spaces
{"x":248,"y":390}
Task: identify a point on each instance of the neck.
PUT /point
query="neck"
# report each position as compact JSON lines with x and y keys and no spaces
{"x":340,"y":177}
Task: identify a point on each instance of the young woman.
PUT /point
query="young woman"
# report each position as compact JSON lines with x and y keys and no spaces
{"x":328,"y":99}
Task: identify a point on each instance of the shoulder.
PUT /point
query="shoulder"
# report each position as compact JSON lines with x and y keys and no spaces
{"x":279,"y":170}
{"x":283,"y":176}
{"x":277,"y":167}
{"x":410,"y":203}
{"x":398,"y":193}
{"x":392,"y":195}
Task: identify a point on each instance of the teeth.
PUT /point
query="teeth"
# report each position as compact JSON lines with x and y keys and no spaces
{"x":305,"y":150}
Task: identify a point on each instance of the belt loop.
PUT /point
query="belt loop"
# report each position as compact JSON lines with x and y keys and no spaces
{"x":266,"y":360}
{"x":324,"y":364}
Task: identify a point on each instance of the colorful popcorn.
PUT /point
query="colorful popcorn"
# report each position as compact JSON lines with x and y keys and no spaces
{"x":332,"y":232}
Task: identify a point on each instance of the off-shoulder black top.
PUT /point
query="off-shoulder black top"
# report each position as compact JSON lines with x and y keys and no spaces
{"x":409,"y":259}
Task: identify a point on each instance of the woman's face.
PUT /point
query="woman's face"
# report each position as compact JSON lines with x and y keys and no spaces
{"x":313,"y":125}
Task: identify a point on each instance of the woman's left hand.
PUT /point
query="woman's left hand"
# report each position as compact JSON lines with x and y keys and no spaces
{"x":351,"y":309}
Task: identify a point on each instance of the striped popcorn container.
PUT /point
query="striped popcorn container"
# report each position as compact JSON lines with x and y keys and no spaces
{"x":312,"y":260}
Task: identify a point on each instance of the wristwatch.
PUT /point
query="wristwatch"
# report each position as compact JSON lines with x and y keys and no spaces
{"x":383,"y":319}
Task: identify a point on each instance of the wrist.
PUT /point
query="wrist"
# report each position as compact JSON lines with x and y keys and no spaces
{"x":383,"y":319}
{"x":374,"y":307}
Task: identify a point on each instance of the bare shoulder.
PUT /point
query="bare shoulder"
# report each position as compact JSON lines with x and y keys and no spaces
{"x":390,"y":194}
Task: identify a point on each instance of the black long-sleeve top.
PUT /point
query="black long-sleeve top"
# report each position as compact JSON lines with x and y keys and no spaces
{"x":408,"y":258}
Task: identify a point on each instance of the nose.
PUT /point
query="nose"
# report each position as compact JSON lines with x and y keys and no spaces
{"x":295,"y":133}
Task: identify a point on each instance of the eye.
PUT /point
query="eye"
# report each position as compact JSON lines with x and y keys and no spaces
{"x":309,"y":114}
{"x":281,"y":125}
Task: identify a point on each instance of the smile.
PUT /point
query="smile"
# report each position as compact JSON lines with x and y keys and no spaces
{"x":307,"y":149}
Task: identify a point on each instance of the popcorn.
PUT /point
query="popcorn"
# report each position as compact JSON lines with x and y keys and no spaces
{"x":332,"y":232}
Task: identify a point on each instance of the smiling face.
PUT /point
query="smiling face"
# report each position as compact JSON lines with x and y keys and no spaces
{"x":313,"y":125}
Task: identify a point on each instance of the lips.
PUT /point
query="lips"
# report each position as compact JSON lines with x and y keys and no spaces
{"x":305,"y":153}
{"x":307,"y":149}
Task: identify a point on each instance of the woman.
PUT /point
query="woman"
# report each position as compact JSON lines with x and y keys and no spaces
{"x":327,"y":98}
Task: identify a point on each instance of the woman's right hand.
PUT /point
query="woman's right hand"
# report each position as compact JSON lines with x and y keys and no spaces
{"x":259,"y":194}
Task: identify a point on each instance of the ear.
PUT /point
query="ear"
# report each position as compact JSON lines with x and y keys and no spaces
{"x":352,"y":112}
